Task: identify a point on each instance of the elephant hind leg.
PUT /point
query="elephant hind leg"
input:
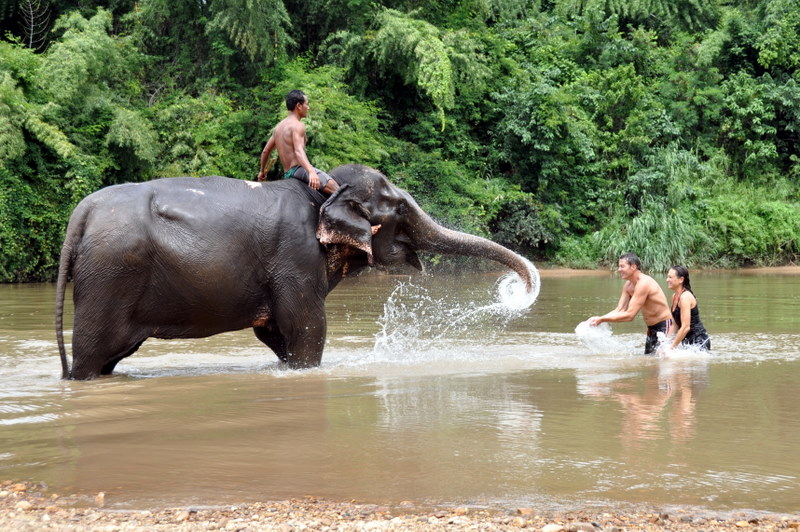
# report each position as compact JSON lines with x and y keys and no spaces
{"x":109,"y":366}
{"x":96,"y":351}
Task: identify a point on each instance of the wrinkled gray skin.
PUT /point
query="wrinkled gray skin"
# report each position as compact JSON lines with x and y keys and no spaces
{"x":192,"y":257}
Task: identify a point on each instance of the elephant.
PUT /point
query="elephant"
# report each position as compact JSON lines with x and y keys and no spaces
{"x":189,"y":257}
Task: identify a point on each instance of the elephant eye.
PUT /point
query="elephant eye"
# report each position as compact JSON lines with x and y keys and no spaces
{"x":359,"y":208}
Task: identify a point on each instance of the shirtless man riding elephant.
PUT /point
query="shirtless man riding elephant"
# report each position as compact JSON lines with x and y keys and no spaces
{"x":289,"y":138}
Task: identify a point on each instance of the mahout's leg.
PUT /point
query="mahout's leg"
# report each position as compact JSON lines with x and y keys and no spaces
{"x":331,"y":187}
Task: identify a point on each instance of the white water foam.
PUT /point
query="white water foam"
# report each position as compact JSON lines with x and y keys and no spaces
{"x":600,"y":340}
{"x":511,"y":288}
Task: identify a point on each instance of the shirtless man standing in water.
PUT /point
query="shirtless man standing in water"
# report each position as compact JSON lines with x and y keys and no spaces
{"x":289,"y":138}
{"x":639,"y":293}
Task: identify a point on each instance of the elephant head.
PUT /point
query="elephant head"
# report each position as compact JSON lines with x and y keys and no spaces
{"x":366,"y":199}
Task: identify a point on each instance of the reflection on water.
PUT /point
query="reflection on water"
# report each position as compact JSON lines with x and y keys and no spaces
{"x":428,"y":391}
{"x":658,"y":404}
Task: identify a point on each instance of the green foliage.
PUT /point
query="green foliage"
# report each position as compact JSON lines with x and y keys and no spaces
{"x":403,"y":46}
{"x":779,"y":43}
{"x":661,"y":219}
{"x":452,"y":194}
{"x":549,"y":140}
{"x":206,"y":136}
{"x":661,"y":237}
{"x":133,"y":133}
{"x":414,"y":49}
{"x":12,"y":140}
{"x":68,"y":126}
{"x":691,"y":15}
{"x":527,"y":226}
{"x":257,"y":27}
{"x":570,"y":130}
{"x":750,"y":228}
{"x":747,"y":125}
{"x":30,"y":235}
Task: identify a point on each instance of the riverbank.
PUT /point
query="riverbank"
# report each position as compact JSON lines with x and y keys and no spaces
{"x":26,"y":507}
{"x":544,"y":271}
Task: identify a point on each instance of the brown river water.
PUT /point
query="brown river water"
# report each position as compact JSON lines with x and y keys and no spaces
{"x":430,"y":391}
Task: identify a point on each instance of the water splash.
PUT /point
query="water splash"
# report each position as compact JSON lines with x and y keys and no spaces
{"x":599,"y":339}
{"x":511,"y":288}
{"x":414,"y":321}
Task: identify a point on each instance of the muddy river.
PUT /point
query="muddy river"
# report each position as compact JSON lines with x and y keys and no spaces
{"x":429,"y":391}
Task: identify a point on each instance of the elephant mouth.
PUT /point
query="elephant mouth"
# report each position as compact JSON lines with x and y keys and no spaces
{"x":397,"y":254}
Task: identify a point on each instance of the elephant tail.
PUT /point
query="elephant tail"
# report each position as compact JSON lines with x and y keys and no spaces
{"x":64,"y":267}
{"x":74,"y":232}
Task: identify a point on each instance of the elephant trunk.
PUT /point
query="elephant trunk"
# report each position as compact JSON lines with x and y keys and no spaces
{"x":430,"y":236}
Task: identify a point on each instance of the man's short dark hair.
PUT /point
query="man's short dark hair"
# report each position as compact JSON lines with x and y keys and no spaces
{"x":293,"y":98}
{"x":632,"y":259}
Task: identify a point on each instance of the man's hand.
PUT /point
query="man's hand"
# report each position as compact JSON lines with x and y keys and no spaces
{"x":262,"y":175}
{"x":313,"y":179}
{"x":375,"y":229}
{"x":594,"y":321}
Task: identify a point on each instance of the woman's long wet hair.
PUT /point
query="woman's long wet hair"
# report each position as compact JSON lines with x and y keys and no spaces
{"x":683,"y":272}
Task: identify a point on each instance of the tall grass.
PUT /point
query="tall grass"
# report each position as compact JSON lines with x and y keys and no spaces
{"x":661,"y":238}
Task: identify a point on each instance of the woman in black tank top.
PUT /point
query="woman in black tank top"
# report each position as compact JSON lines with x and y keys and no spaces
{"x":685,"y":313}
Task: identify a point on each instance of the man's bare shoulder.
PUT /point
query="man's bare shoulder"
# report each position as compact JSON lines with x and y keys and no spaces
{"x":291,"y":123}
{"x":647,"y":283}
{"x":283,"y":126}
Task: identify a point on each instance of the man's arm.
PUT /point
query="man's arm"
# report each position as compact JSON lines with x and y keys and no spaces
{"x":627,"y":308}
{"x":299,"y":145}
{"x":266,"y":152}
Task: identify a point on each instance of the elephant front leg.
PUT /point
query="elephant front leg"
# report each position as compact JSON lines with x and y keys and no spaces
{"x":273,"y":339}
{"x":302,"y":333}
{"x":306,"y":344}
{"x":298,"y":314}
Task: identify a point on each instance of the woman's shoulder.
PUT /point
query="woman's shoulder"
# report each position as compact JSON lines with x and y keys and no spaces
{"x":687,"y":298}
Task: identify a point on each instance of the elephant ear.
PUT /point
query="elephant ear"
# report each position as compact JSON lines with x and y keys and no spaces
{"x":343,"y":220}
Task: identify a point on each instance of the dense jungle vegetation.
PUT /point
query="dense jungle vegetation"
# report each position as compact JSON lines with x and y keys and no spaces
{"x":568,"y":130}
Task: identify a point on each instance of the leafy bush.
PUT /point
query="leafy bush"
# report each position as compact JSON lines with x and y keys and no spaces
{"x":31,"y":227}
{"x":526,"y":226}
{"x":207,"y":135}
{"x":747,"y":229}
{"x":444,"y":189}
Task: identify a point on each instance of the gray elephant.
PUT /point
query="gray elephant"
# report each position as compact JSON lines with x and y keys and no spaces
{"x":191,"y":257}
